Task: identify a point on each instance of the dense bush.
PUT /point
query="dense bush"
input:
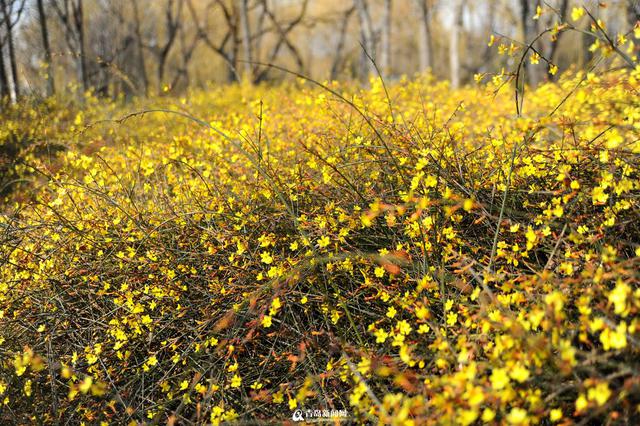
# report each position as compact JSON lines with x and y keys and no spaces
{"x":418,"y":258}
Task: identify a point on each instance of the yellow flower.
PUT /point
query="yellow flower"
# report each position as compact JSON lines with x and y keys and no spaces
{"x":534,"y":58}
{"x":577,"y":13}
{"x":488,"y":415}
{"x":381,"y":335}
{"x":581,"y":403}
{"x":293,"y":403}
{"x":600,"y":393}
{"x":27,"y":388}
{"x":531,"y":235}
{"x":617,"y":339}
{"x":236,"y":381}
{"x":448,"y":305}
{"x":499,"y":378}
{"x":599,"y":196}
{"x":431,"y":181}
{"x":618,"y":296}
{"x":323,"y":241}
{"x":467,"y":417}
{"x":275,"y":306}
{"x":152,"y":360}
{"x":422,"y":312}
{"x":85,"y":385}
{"x":555,"y":414}
{"x":379,"y":272}
{"x":403,"y":327}
{"x":517,"y":416}
{"x":519,"y":373}
{"x":364,"y":365}
{"x":391,"y":312}
{"x":266,"y":321}
{"x":265,"y":257}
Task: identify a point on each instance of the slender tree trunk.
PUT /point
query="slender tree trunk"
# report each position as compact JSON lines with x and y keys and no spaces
{"x":454,"y":47}
{"x":633,"y":12}
{"x":586,"y":40}
{"x":366,"y":31}
{"x":385,"y":54}
{"x":553,"y":53}
{"x":529,"y":32}
{"x":424,"y":35}
{"x":4,"y":81}
{"x":51,"y":86}
{"x":12,"y":54}
{"x":246,"y":39}
{"x":337,"y":57}
{"x":173,"y":25}
{"x":142,"y":67}
{"x":78,"y":18}
{"x":633,"y":17}
{"x":232,"y":22}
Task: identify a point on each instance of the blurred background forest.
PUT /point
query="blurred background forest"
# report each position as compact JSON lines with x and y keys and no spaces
{"x":142,"y":47}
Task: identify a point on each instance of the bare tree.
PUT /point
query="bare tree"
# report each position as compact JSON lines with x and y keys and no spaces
{"x":71,"y":15}
{"x":51,"y":86}
{"x":4,"y":81}
{"x":368,"y":41}
{"x":633,"y":12}
{"x":385,"y":53}
{"x":161,"y":51}
{"x":337,"y":57}
{"x":142,"y":67}
{"x":454,"y":46}
{"x":246,"y":38}
{"x":553,"y":52}
{"x":229,"y":55}
{"x":11,"y":12}
{"x":186,"y":53}
{"x":424,"y":35}
{"x":529,"y":32}
{"x":78,"y":20}
{"x":283,"y":38}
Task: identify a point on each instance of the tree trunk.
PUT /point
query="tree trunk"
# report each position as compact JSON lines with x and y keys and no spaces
{"x":529,"y":32}
{"x":12,"y":54}
{"x":454,"y":47}
{"x":51,"y":86}
{"x":142,"y":67}
{"x":366,"y":32}
{"x":424,"y":36}
{"x":385,"y":54}
{"x":337,"y":57}
{"x":173,"y":24}
{"x":553,"y":53}
{"x":78,"y":19}
{"x":246,"y":39}
{"x":4,"y":81}
{"x":633,"y":12}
